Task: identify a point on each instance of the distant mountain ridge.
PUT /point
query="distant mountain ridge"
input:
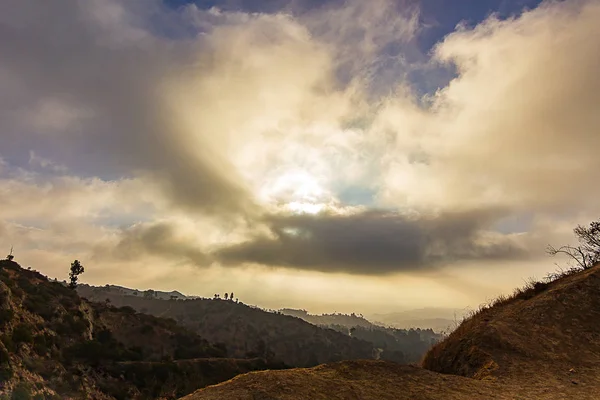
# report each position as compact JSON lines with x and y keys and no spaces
{"x":437,"y":318}
{"x":347,"y":320}
{"x":244,"y":330}
{"x":403,"y":346}
{"x":136,"y":292}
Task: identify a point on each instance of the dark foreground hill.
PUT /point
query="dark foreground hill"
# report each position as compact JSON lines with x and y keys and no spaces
{"x":247,"y":331}
{"x":541,"y":343}
{"x":55,"y":345}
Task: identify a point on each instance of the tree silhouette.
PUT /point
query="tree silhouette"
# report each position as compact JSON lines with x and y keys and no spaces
{"x":10,"y":256}
{"x":587,"y":254}
{"x":226,"y":296}
{"x":76,"y":270}
{"x":231,"y":296}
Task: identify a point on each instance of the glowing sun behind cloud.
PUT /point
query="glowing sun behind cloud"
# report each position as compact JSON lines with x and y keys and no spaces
{"x":296,"y":190}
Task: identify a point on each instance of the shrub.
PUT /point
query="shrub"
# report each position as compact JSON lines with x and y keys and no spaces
{"x":4,"y":356}
{"x":4,"y":277}
{"x":40,"y":346}
{"x":6,"y":371}
{"x":95,"y":352}
{"x":127,"y":310}
{"x":8,"y":342}
{"x":104,"y":336}
{"x":25,"y":284}
{"x":39,"y":305}
{"x":21,"y":392}
{"x":91,"y":351}
{"x":38,"y":366}
{"x":22,"y":333}
{"x":147,"y":328}
{"x":71,"y":326}
{"x":6,"y":315}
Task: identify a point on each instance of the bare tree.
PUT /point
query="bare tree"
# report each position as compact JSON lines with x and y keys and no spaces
{"x":587,"y":253}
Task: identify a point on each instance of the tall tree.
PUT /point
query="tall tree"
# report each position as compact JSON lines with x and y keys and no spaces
{"x":76,"y":270}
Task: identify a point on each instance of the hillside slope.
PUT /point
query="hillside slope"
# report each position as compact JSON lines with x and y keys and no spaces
{"x":248,"y":331}
{"x":552,"y":327}
{"x":542,"y":343}
{"x":55,"y":345}
{"x":349,"y":321}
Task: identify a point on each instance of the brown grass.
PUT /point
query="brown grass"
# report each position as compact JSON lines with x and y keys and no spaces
{"x":532,"y":338}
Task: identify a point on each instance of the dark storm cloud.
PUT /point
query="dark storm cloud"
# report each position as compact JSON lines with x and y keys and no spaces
{"x":160,"y":239}
{"x":367,"y":243}
{"x":373,"y":242}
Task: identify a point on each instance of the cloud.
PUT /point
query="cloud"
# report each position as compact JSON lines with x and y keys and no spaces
{"x":161,"y":239}
{"x":372,"y":43}
{"x":518,"y":125}
{"x":364,"y":242}
{"x":373,"y":242}
{"x":99,"y":58}
{"x":138,"y":134}
{"x":38,"y":161}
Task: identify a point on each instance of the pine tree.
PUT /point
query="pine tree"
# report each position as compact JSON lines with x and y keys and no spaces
{"x":76,"y":270}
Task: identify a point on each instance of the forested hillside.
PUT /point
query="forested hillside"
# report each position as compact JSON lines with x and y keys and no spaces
{"x":55,"y":345}
{"x":248,"y":331}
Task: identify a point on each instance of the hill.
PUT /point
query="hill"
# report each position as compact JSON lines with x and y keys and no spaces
{"x":541,"y":343}
{"x":544,"y":328}
{"x":55,"y":345}
{"x":347,"y":320}
{"x":437,"y":318}
{"x":403,"y":346}
{"x":247,"y":331}
{"x":156,"y":294}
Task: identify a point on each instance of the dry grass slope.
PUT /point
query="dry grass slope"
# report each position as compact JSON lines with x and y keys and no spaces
{"x":541,"y":343}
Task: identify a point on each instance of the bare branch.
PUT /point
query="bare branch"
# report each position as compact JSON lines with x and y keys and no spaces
{"x":587,"y":254}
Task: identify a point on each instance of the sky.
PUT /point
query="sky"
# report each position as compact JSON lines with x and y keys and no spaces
{"x":343,"y":156}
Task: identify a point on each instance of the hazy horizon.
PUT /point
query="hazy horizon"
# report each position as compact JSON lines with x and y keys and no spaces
{"x":334,"y":156}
